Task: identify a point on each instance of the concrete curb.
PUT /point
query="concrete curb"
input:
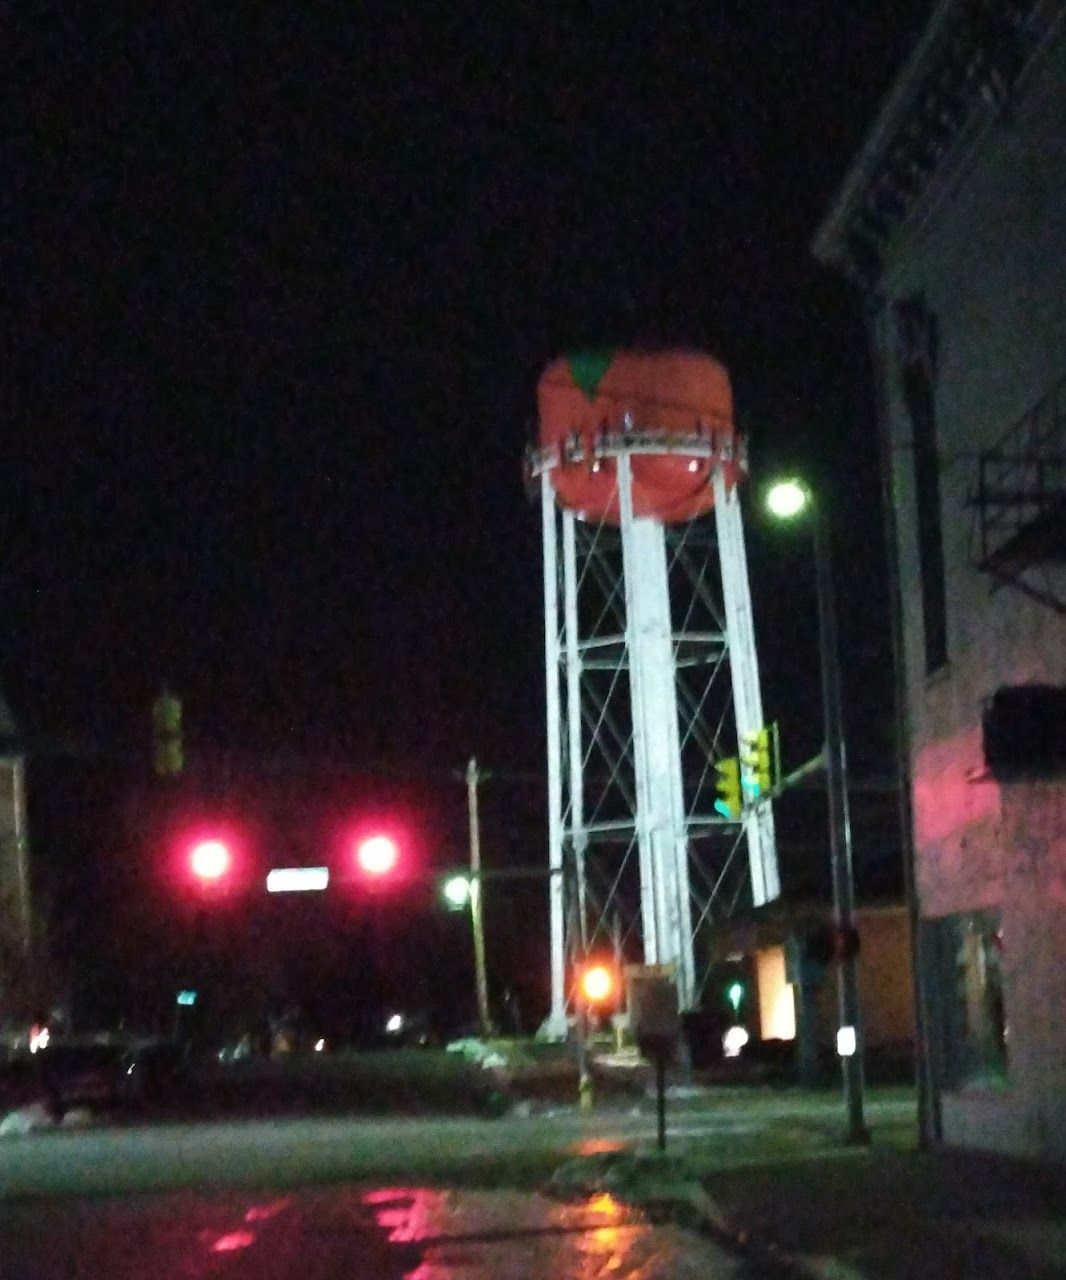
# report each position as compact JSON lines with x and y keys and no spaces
{"x":715,"y":1220}
{"x":658,"y":1181}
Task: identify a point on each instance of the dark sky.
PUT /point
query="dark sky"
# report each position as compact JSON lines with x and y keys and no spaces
{"x":279,"y":280}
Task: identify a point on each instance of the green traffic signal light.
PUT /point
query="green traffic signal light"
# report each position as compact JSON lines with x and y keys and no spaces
{"x":729,"y":803}
{"x":734,"y":993}
{"x":455,"y":890}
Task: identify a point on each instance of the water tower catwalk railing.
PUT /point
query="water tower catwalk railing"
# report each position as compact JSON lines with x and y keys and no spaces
{"x":652,"y":678}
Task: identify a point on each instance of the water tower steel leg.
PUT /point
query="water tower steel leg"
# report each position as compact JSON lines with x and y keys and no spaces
{"x":574,"y":749}
{"x":744,"y":671}
{"x":661,"y":827}
{"x":556,"y":1027}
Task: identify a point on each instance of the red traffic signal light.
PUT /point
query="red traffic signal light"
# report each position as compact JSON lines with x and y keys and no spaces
{"x":210,"y":860}
{"x":825,"y":944}
{"x":377,"y":855}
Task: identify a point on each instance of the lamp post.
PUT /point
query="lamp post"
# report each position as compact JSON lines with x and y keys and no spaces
{"x":787,"y":499}
{"x":477,"y":915}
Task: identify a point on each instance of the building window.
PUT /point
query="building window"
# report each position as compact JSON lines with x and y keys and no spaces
{"x":916,"y":355}
{"x":970,"y":996}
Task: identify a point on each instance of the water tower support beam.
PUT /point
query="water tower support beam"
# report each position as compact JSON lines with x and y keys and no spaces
{"x":574,"y":749}
{"x":744,"y":670}
{"x":666,"y":914}
{"x":555,"y":1027}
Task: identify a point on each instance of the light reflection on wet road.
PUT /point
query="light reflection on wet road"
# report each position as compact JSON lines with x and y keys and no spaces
{"x":391,"y":1233}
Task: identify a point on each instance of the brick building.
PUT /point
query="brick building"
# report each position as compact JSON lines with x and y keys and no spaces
{"x":952,"y":224}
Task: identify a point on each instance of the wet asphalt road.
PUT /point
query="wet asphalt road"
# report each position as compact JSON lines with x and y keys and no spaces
{"x":387,"y":1233}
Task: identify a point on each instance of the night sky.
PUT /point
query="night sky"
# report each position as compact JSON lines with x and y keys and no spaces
{"x":279,"y":281}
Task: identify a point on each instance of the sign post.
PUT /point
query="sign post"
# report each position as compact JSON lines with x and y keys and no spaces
{"x":656,"y":1024}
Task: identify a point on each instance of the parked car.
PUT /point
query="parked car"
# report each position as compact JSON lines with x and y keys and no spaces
{"x":61,"y":1077}
{"x":97,"y":1074}
{"x":81,"y":1075}
{"x":20,"y":1082}
{"x":153,"y":1071}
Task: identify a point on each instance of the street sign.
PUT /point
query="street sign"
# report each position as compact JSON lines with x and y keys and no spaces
{"x":655,"y":1021}
{"x":653,"y":1011}
{"x":297,"y":879}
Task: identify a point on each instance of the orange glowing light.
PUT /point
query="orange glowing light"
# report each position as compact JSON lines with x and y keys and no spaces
{"x":597,"y":983}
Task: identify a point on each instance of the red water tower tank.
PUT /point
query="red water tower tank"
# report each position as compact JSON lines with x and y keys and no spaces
{"x":585,"y":399}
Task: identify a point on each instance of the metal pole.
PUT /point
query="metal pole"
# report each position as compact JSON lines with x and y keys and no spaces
{"x":929,"y":1118}
{"x":839,"y":823}
{"x":477,"y":919}
{"x":22,"y":870}
{"x":660,"y":1096}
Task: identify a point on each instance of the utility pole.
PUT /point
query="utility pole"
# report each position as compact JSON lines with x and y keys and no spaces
{"x":477,"y":919}
{"x":839,"y":825}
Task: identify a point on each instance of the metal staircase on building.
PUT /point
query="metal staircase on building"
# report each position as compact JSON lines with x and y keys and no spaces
{"x":1020,"y":502}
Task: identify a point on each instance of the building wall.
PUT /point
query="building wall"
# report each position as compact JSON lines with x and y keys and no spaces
{"x":886,"y":991}
{"x":777,"y":1004}
{"x":885,"y":985}
{"x":987,"y":252}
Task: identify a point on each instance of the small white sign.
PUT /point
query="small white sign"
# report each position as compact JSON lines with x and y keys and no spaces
{"x":846,"y":1042}
{"x":297,"y":879}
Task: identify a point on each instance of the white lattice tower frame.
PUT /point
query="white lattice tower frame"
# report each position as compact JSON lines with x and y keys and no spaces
{"x":652,"y":676}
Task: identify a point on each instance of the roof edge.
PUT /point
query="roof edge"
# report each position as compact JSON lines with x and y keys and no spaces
{"x":827,"y":244}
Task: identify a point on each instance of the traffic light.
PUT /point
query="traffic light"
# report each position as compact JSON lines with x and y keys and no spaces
{"x":168,"y":754}
{"x":824,"y":944}
{"x":597,"y":984}
{"x":757,"y":760}
{"x":729,"y":803}
{"x":456,"y":889}
{"x":847,"y":943}
{"x":734,"y":994}
{"x":210,"y":860}
{"x":378,"y":855}
{"x":210,"y":857}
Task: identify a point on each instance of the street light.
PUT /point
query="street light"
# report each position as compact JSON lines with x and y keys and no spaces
{"x":785,"y":500}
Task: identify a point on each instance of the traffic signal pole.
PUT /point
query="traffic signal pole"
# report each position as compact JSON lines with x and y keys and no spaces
{"x":477,"y":918}
{"x":839,"y":825}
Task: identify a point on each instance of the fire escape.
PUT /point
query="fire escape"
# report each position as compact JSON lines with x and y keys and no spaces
{"x":1020,"y":503}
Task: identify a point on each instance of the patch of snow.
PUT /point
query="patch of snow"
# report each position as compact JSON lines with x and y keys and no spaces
{"x":26,"y":1120}
{"x":77,"y":1118}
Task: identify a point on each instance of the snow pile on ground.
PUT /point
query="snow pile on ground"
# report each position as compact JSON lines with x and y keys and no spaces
{"x":26,"y":1120}
{"x":77,"y":1118}
{"x":36,"y":1116}
{"x":478,"y":1051}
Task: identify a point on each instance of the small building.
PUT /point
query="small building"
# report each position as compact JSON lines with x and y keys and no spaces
{"x":774,"y":943}
{"x":951,"y":224}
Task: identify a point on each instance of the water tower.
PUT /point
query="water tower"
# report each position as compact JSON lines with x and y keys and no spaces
{"x":652,"y":675}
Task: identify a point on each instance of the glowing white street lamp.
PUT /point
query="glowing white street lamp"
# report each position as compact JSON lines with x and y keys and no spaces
{"x":786,"y":499}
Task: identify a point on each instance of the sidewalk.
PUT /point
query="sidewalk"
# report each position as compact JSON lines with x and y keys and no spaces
{"x":799,"y":1202}
{"x":886,"y":1214}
